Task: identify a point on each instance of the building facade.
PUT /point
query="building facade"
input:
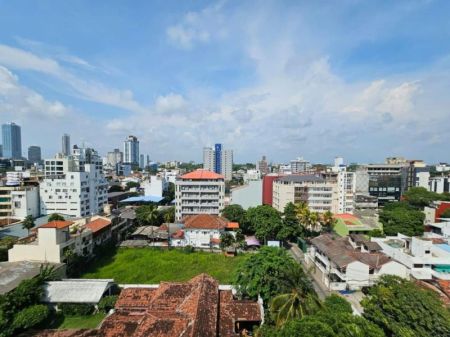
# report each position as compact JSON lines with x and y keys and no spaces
{"x":65,"y":145}
{"x":199,"y":192}
{"x":219,"y":161}
{"x":262,"y":166}
{"x":74,"y":185}
{"x":131,"y":150}
{"x":12,"y":141}
{"x":300,"y":165}
{"x":34,"y":154}
{"x":248,"y":195}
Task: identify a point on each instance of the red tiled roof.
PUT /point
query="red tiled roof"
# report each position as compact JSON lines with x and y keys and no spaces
{"x":233,"y":225}
{"x":205,"y":221}
{"x":98,"y":224}
{"x":202,"y":175}
{"x":345,"y":216}
{"x":57,"y":224}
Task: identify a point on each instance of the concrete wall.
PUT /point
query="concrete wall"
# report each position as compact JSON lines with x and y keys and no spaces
{"x":249,"y":195}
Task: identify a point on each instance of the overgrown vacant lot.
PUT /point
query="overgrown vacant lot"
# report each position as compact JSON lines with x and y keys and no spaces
{"x":149,"y":265}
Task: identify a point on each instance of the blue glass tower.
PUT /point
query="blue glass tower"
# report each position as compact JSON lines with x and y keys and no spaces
{"x":218,"y":158}
{"x":12,"y":141}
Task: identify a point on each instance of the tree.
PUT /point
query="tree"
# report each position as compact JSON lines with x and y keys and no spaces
{"x":115,"y":188}
{"x":446,"y":213}
{"x":55,"y":217}
{"x":291,"y":227}
{"x":337,"y":304}
{"x":131,"y":184}
{"x":31,"y":316}
{"x":236,"y":213}
{"x":300,"y":300}
{"x":107,"y":303}
{"x":169,"y":194}
{"x":239,"y":239}
{"x":401,"y":308}
{"x":28,"y":223}
{"x":169,"y":215}
{"x":265,"y":221}
{"x":152,"y":216}
{"x":421,"y":197}
{"x":402,"y":218}
{"x":148,"y":215}
{"x":261,"y":273}
{"x":327,"y":221}
{"x":226,"y":240}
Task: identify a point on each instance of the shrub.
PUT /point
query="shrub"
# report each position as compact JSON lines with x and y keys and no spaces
{"x":76,"y":309}
{"x":107,"y":303}
{"x":31,"y":316}
{"x":188,"y":249}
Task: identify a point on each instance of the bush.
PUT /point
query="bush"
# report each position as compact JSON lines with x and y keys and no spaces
{"x":188,"y":249}
{"x":76,"y":309}
{"x":107,"y":303}
{"x":31,"y":316}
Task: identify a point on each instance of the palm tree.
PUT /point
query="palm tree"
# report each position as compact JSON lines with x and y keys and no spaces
{"x":303,"y":213}
{"x":152,"y":216}
{"x":328,"y":221}
{"x":28,"y":223}
{"x":298,"y":300}
{"x":314,"y":220}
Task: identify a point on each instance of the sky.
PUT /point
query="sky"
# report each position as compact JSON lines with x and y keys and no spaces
{"x":360,"y":79}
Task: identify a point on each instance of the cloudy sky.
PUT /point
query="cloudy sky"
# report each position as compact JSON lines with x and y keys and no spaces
{"x":359,"y":79}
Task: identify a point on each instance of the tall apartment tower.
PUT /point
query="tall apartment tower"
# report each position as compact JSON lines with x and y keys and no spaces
{"x":300,"y":165}
{"x":219,"y":161}
{"x":142,"y":162}
{"x":131,"y":150}
{"x":262,"y":166}
{"x":12,"y":141}
{"x":65,"y":145}
{"x":34,"y":154}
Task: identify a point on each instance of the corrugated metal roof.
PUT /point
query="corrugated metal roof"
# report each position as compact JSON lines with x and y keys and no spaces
{"x":75,"y":290}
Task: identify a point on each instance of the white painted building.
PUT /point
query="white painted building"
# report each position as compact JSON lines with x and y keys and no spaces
{"x":424,"y":259}
{"x":155,"y":185}
{"x":199,"y":192}
{"x":300,"y":165}
{"x":218,"y":160}
{"x":248,"y":195}
{"x":19,"y":201}
{"x":131,"y":150}
{"x":439,"y":184}
{"x":74,"y":185}
{"x":350,"y":263}
{"x":251,"y":175}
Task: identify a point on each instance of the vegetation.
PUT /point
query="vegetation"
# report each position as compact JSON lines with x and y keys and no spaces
{"x":107,"y":303}
{"x":149,"y":215}
{"x":132,"y":184}
{"x":151,"y":265}
{"x":236,"y":213}
{"x":420,"y":197}
{"x":229,"y":240}
{"x":400,"y":217}
{"x":115,"y":188}
{"x":261,"y":273}
{"x":76,"y":309}
{"x":446,"y":213}
{"x":169,"y":194}
{"x":265,"y":221}
{"x":55,"y":217}
{"x":78,"y":322}
{"x":402,"y":308}
{"x":28,"y":223}
{"x":6,"y":244}
{"x":31,"y":316}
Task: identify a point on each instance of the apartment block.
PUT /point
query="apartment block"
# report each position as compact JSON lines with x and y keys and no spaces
{"x":219,"y":161}
{"x":199,"y":192}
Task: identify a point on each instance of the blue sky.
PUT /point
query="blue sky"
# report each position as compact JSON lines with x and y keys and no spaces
{"x":360,"y":79}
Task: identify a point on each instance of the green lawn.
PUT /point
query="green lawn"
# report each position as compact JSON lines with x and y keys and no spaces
{"x":149,"y":265}
{"x":77,"y":322}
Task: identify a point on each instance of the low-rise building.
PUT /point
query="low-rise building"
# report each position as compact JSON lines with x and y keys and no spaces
{"x":350,"y":262}
{"x":351,"y":224}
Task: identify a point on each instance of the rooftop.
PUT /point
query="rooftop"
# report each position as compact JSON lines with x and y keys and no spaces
{"x":302,"y":178}
{"x":57,"y":224}
{"x":201,"y":174}
{"x":205,"y":221}
{"x":98,"y":224}
{"x":75,"y":291}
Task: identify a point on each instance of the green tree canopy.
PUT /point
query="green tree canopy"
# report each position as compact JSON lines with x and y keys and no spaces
{"x":261,"y":273}
{"x":291,"y":227}
{"x":31,"y":316}
{"x":401,"y":308}
{"x":55,"y":217}
{"x":28,"y":223}
{"x":421,"y":197}
{"x":236,"y":213}
{"x":226,"y":240}
{"x":337,"y":304}
{"x":400,"y":217}
{"x":446,"y":214}
{"x":265,"y":221}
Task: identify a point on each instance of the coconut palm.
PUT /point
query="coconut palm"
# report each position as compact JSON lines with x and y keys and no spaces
{"x":303,"y":213}
{"x":298,"y":300}
{"x":152,"y":216}
{"x":314,"y":220}
{"x":328,"y":221}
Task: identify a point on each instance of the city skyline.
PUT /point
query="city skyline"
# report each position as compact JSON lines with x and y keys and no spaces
{"x":368,"y":83}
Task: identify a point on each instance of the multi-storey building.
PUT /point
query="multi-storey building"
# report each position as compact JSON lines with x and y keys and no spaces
{"x":65,"y":145}
{"x":34,"y":154}
{"x":319,"y":193}
{"x":74,"y":185}
{"x":300,"y":165}
{"x":218,"y":160}
{"x":262,"y":166}
{"x":346,"y":185}
{"x":199,"y":192}
{"x":12,"y":141}
{"x":439,"y":184}
{"x":131,"y":150}
{"x":113,"y":158}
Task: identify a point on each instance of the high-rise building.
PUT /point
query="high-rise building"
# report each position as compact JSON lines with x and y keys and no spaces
{"x":65,"y":145}
{"x":113,"y":158}
{"x":199,"y":192}
{"x":12,"y":141}
{"x":219,"y":161}
{"x":262,"y":166}
{"x":1,"y":150}
{"x":300,"y":165}
{"x":34,"y":154}
{"x":74,"y":185}
{"x":131,"y":150}
{"x":142,"y":162}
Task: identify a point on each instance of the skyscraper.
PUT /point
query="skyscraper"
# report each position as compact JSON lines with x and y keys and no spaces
{"x":262,"y":166}
{"x":141,"y":161}
{"x":131,"y":150}
{"x":34,"y":154}
{"x":218,"y":160}
{"x":12,"y":141}
{"x":65,"y":145}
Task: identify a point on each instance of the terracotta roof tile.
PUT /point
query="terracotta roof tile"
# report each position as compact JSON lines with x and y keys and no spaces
{"x":98,"y":224}
{"x":202,"y":175}
{"x":57,"y":224}
{"x":205,"y":221}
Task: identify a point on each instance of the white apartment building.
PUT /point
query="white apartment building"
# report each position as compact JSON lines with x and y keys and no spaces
{"x":218,"y":160}
{"x":319,"y":193}
{"x":425,"y":258}
{"x":74,"y":185}
{"x":346,"y":184}
{"x":19,"y":201}
{"x":113,"y":158}
{"x":199,"y":192}
{"x":300,"y":165}
{"x":131,"y":150}
{"x":155,"y":185}
{"x":439,"y":184}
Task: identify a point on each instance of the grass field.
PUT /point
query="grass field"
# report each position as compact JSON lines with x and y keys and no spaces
{"x":77,"y":322}
{"x":148,"y":265}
